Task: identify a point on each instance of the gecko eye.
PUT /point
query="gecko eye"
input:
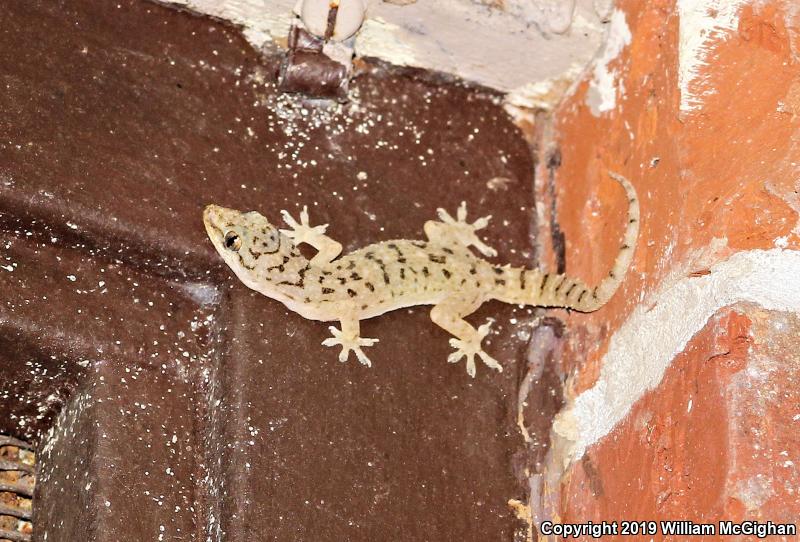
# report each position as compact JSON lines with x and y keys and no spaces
{"x":233,"y":241}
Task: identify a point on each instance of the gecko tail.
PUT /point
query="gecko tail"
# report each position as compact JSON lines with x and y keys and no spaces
{"x":608,"y":286}
{"x":550,"y":290}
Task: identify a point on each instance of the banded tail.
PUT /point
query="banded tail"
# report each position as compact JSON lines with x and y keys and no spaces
{"x":533,"y":287}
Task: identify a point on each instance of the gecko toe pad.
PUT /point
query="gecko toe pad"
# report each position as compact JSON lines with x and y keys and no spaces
{"x":471,"y":348}
{"x":349,"y":344}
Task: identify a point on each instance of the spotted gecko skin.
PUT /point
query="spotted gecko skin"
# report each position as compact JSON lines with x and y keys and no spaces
{"x":442,"y":271}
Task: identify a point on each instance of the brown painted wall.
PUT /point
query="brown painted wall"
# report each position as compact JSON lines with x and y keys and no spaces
{"x":166,"y":398}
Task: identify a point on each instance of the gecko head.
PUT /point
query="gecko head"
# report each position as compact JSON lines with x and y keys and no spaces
{"x":248,"y":243}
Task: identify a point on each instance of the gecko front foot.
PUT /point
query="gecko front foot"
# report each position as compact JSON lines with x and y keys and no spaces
{"x":302,"y":232}
{"x":471,"y":348}
{"x":463,"y":231}
{"x":349,"y":344}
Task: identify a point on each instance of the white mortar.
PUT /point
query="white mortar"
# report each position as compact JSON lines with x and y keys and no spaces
{"x":645,"y":345}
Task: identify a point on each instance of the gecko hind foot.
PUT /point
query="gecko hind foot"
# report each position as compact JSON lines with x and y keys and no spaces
{"x":464,"y":231}
{"x":302,"y":232}
{"x":349,"y":344}
{"x":471,"y":348}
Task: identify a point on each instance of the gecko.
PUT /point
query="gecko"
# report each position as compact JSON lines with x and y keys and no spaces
{"x":442,"y":271}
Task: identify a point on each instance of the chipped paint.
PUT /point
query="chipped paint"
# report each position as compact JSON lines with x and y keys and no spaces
{"x":603,"y":87}
{"x":543,"y":93}
{"x":655,"y":333}
{"x":703,"y":23}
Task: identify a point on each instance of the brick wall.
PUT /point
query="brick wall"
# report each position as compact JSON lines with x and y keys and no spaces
{"x":682,"y":400}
